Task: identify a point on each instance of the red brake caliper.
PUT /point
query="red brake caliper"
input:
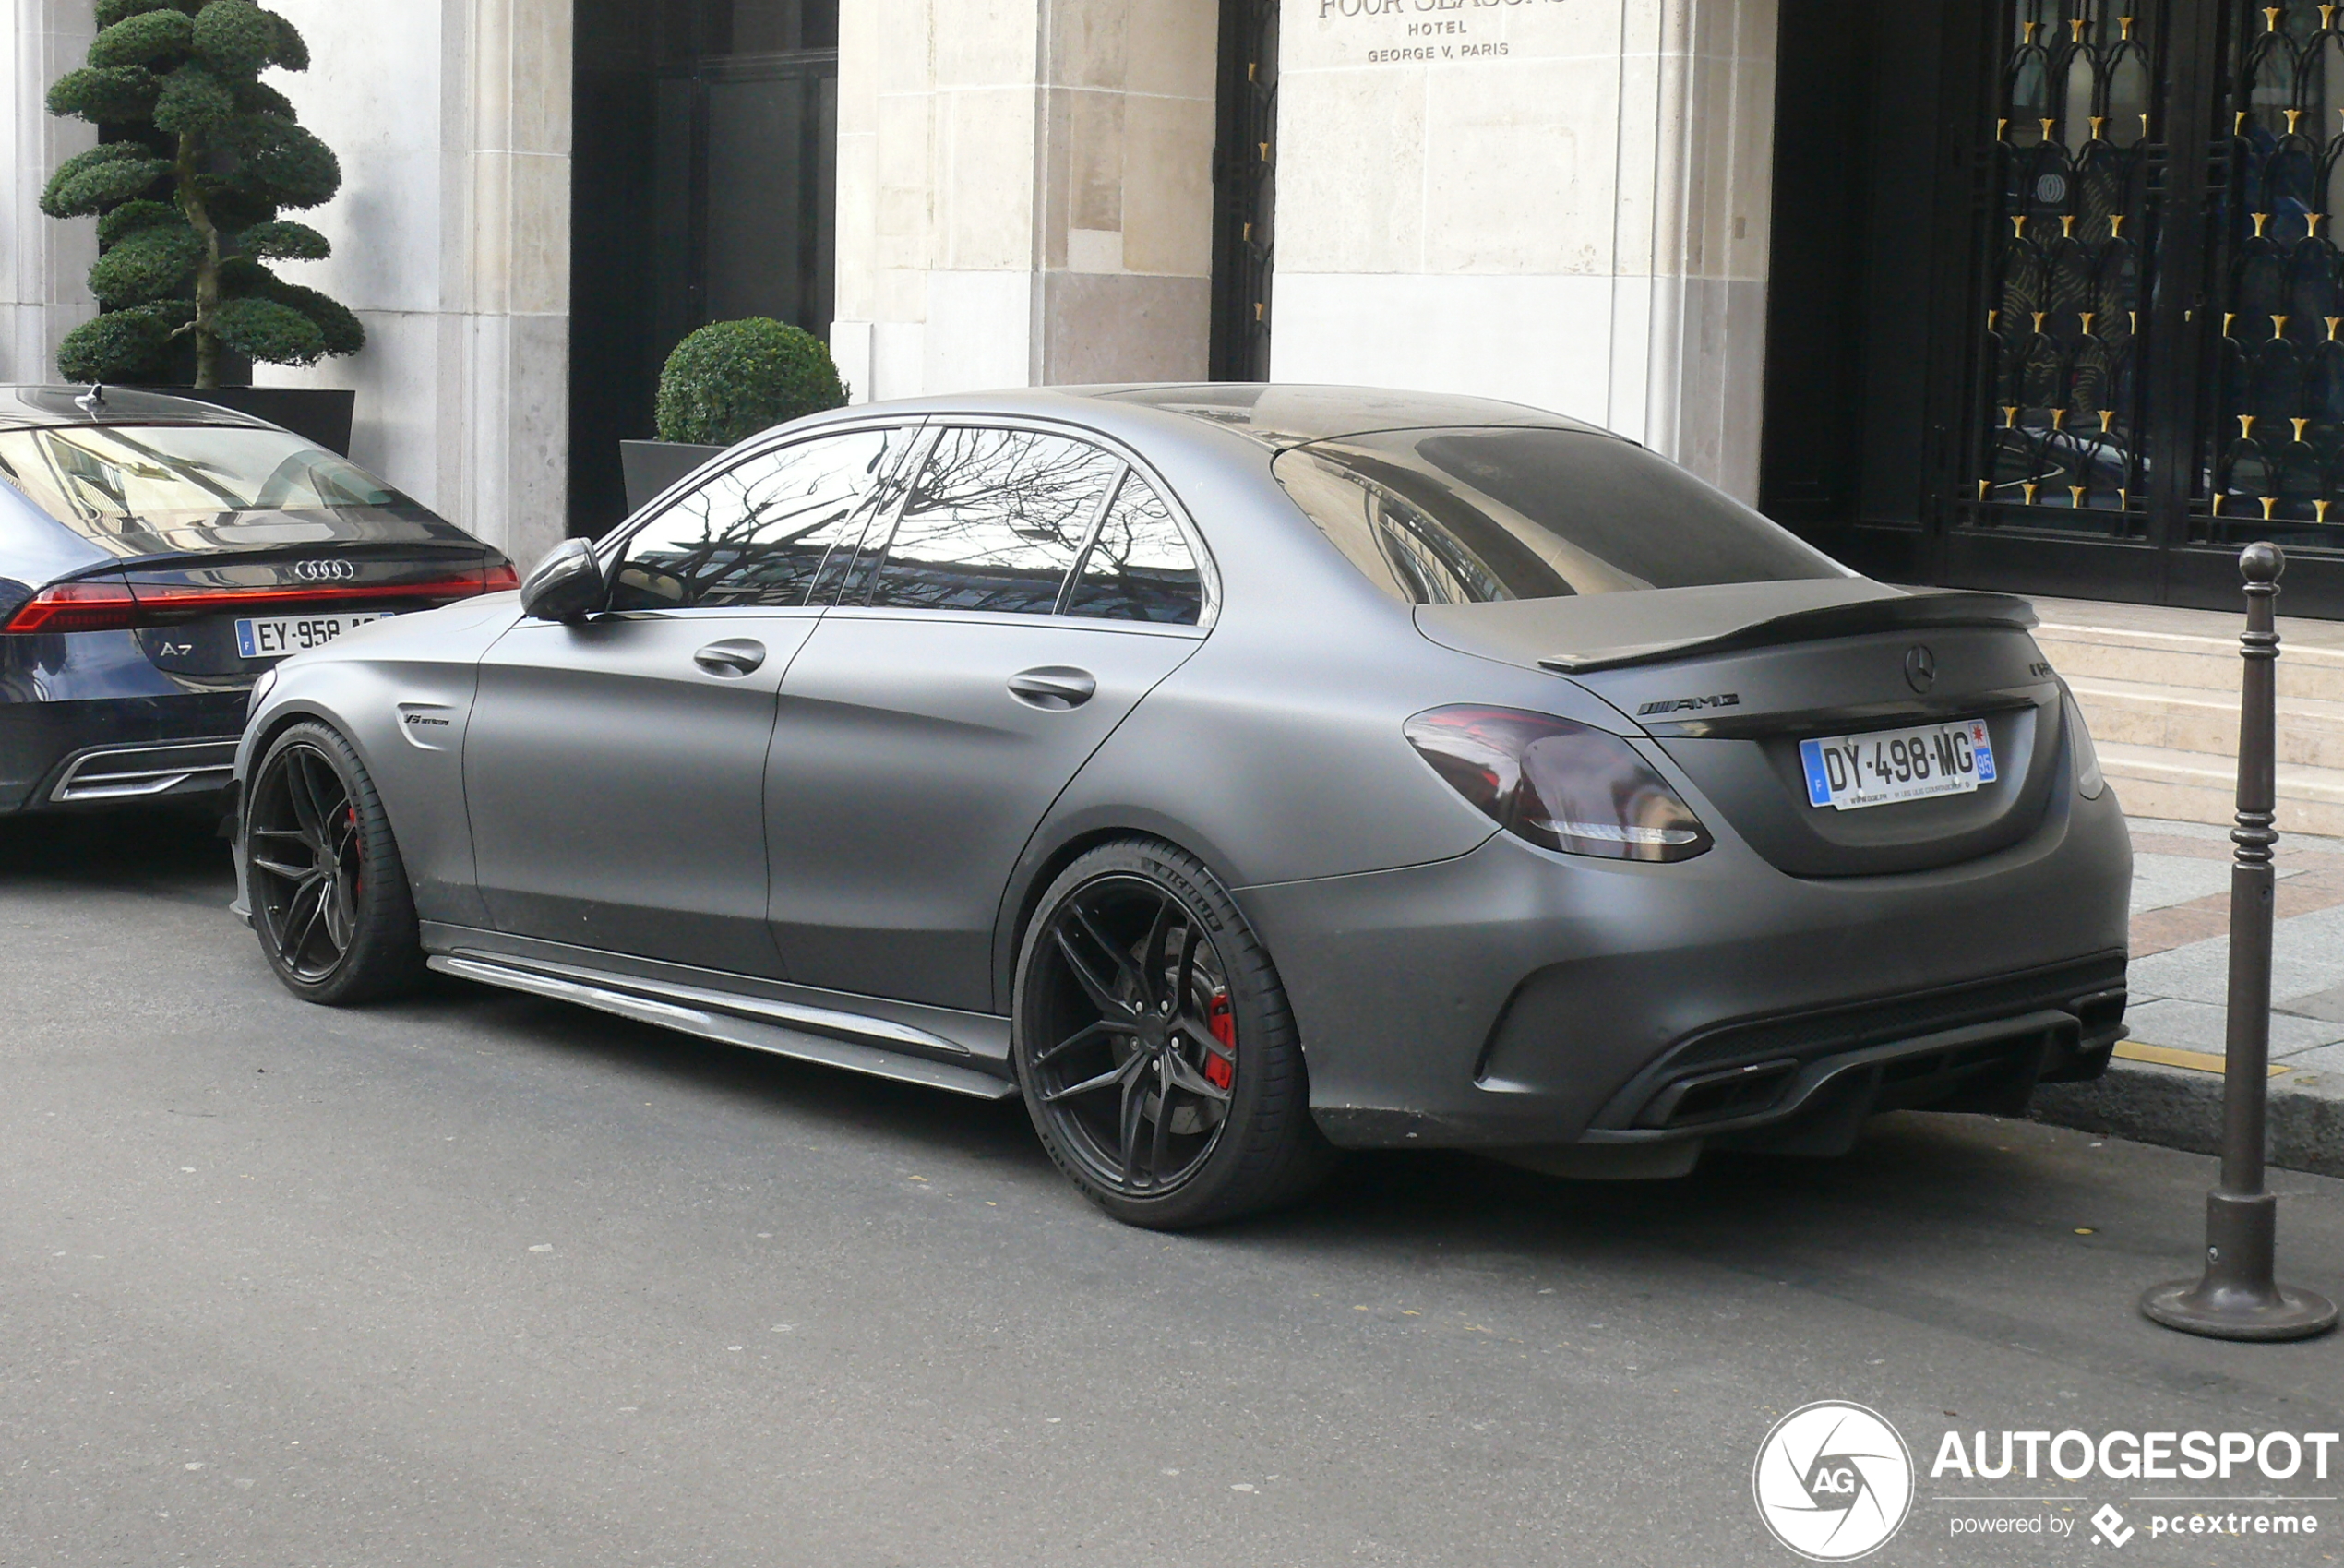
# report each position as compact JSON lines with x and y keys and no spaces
{"x":1220,"y":1071}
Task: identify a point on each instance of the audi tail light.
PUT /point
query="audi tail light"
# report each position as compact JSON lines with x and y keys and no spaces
{"x":97,"y":605}
{"x":115,"y":604}
{"x":1560,"y":784}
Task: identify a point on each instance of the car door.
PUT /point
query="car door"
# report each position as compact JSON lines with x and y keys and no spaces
{"x":950,"y":695}
{"x":614,"y":766}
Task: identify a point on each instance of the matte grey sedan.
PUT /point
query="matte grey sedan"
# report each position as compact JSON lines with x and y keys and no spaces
{"x":1237,"y":775}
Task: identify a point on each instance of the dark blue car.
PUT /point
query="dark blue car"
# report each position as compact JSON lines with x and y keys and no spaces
{"x":157,"y":555}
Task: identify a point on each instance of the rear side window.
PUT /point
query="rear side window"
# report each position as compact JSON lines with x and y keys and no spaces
{"x":1468,"y":516}
{"x":760,"y":531}
{"x":994,"y":522}
{"x":1139,"y":567}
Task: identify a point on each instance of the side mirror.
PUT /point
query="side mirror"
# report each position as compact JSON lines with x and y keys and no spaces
{"x":564,"y":585}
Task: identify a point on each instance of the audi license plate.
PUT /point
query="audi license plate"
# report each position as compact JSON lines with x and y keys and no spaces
{"x":294,"y":634}
{"x":1848,"y":771}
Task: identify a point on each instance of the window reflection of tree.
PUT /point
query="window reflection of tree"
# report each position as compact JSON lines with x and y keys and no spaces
{"x":757,"y":535}
{"x":1140,"y":568}
{"x":995,"y":523}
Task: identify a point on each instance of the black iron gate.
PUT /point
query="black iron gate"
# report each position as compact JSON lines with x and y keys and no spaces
{"x":1244,"y":177}
{"x":2154,"y":368}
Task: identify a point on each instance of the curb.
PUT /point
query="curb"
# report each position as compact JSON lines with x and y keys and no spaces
{"x":2182,"y":1109}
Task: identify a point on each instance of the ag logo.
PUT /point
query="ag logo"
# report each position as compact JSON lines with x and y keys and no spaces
{"x":325,"y":570}
{"x":1833,"y":1481}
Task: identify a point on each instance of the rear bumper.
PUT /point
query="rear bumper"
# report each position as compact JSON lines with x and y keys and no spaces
{"x":116,"y":751}
{"x":1514,"y":998}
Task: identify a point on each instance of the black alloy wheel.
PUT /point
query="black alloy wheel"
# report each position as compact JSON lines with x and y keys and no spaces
{"x":330,"y":895}
{"x":1154,"y":1045}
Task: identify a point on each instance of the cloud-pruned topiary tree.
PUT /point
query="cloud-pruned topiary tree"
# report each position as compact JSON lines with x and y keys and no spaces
{"x":197,"y":157}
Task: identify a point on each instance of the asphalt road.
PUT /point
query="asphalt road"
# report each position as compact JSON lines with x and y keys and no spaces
{"x":479,"y":1279}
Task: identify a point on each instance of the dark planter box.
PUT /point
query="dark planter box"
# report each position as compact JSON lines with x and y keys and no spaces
{"x":318,"y":413}
{"x":652,"y":466}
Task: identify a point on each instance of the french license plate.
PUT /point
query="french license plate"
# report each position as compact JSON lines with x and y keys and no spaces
{"x":1849,"y":772}
{"x":267,"y":638}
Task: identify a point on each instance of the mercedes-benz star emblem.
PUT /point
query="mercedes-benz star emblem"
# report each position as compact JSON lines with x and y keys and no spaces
{"x":1921,"y":667}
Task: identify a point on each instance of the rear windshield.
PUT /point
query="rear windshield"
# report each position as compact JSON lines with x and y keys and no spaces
{"x":110,"y":478}
{"x":1468,"y":516}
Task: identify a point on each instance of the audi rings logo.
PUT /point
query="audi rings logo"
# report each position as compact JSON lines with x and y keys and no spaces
{"x":1833,"y":1481}
{"x":324,"y":571}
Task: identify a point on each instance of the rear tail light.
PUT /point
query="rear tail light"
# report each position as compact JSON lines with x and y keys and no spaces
{"x":2090,"y":780}
{"x":102,"y":605}
{"x":500,"y":577}
{"x":1559,"y":784}
{"x":111,"y":605}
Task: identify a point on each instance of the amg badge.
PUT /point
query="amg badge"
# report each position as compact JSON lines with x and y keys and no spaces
{"x":1690,"y":704}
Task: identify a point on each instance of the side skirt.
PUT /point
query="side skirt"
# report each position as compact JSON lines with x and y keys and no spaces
{"x":756,"y":1022}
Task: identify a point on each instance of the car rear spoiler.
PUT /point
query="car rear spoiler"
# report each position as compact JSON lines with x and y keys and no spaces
{"x":1909,"y":612}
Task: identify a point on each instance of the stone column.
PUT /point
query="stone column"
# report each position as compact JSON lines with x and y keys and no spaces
{"x":451,"y":242}
{"x":1024,"y":192}
{"x":1561,"y":202}
{"x":43,"y":263}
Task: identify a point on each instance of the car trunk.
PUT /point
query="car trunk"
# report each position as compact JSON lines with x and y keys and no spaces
{"x":1729,"y":680}
{"x":199,"y":593}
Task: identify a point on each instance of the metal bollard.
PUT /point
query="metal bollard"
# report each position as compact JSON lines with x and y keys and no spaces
{"x":2237,"y":1297}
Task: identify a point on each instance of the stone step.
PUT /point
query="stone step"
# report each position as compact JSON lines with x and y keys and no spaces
{"x":2306,"y":669}
{"x":2134,"y":712}
{"x":2193,"y":786}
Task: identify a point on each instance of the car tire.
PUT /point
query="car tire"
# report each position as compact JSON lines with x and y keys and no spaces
{"x":1155,"y":1045}
{"x":330,"y":895}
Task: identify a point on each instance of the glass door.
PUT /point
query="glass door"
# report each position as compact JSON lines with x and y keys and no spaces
{"x":703,"y":189}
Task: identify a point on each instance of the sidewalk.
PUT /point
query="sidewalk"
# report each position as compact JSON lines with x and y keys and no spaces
{"x":2166,"y":1085}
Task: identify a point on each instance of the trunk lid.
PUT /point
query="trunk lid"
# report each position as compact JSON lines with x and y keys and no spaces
{"x":191,"y":607}
{"x":1729,"y":680}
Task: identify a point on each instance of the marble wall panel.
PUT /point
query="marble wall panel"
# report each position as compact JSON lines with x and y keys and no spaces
{"x":993,"y":186}
{"x":1168,"y":185}
{"x":43,"y":263}
{"x":1446,"y":175}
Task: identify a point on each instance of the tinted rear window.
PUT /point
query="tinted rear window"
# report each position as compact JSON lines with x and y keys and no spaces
{"x":1468,"y":516}
{"x":108,"y":478}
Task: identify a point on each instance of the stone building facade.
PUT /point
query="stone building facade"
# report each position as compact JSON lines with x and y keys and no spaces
{"x":1943,"y":284}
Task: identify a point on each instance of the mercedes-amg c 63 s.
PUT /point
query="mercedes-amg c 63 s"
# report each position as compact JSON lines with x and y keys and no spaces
{"x":156,"y":556}
{"x":1236,"y":774}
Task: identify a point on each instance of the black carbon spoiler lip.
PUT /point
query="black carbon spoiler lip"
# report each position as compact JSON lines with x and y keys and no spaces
{"x":1912,"y":612}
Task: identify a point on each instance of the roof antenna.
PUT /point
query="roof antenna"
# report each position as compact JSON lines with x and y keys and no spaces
{"x":93,"y":399}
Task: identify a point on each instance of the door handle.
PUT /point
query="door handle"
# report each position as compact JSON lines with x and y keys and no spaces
{"x":1054,"y":687}
{"x":732,"y":658}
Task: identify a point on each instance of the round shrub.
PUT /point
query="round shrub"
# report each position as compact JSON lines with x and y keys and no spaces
{"x":731,"y":379}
